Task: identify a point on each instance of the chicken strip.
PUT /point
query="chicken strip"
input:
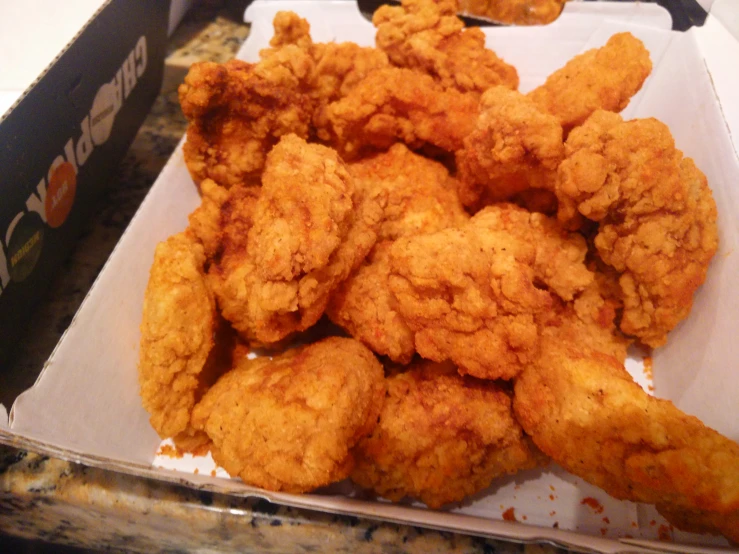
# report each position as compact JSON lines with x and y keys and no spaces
{"x":583,"y":409}
{"x":427,"y":35}
{"x":600,"y":79}
{"x":473,"y":294}
{"x":289,"y":423}
{"x":283,"y":254}
{"x":656,"y":214}
{"x":177,"y":335}
{"x":514,"y":147}
{"x":441,"y":437}
{"x":394,"y":104}
{"x":238,"y":111}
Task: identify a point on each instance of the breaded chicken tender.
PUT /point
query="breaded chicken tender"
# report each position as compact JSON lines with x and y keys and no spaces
{"x":583,"y":409}
{"x":473,"y":294}
{"x":514,"y":146}
{"x":427,"y":35}
{"x":656,"y":214}
{"x":238,"y":111}
{"x":441,"y":437}
{"x":177,"y":334}
{"x":702,"y":521}
{"x":306,"y":234}
{"x":394,"y":104}
{"x":289,"y":423}
{"x":600,"y":79}
{"x":337,"y":66}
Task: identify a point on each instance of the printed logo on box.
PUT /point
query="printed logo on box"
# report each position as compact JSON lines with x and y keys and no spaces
{"x":51,"y":204}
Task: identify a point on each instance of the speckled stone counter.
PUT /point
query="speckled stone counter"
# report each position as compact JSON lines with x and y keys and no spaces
{"x":66,"y":503}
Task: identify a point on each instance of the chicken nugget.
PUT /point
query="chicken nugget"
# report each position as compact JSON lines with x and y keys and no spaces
{"x":177,"y":334}
{"x":289,"y":423}
{"x":441,"y":437}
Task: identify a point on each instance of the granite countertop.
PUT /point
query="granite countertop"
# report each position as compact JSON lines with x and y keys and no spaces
{"x":66,"y":503}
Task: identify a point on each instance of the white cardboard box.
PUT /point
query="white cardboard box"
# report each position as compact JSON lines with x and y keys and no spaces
{"x":85,"y":405}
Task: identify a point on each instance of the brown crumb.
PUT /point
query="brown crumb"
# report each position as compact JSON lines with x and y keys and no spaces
{"x":212,"y":472}
{"x":169,"y":451}
{"x":552,"y":513}
{"x":196,"y":471}
{"x":552,"y":497}
{"x":556,"y":525}
{"x":603,"y":531}
{"x":593,"y":503}
{"x":510,"y":515}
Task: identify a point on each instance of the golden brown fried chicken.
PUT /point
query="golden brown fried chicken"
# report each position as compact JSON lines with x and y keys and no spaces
{"x":518,"y":12}
{"x":393,"y":104}
{"x":336,"y":70}
{"x":603,"y":78}
{"x":418,"y":196}
{"x":656,"y":213}
{"x":177,"y":331}
{"x":441,"y":437}
{"x":289,"y":423}
{"x":306,"y":234}
{"x":702,"y":521}
{"x":426,"y":35}
{"x":473,"y":294}
{"x":584,"y":410}
{"x":514,"y":147}
{"x":238,"y":111}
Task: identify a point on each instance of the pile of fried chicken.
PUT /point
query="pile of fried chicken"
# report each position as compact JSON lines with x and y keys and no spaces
{"x":485,"y":257}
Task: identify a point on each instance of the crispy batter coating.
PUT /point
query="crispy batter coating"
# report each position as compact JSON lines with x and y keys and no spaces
{"x":441,"y":437}
{"x":426,"y":35}
{"x":701,"y":521}
{"x":656,"y":213}
{"x":306,"y":234}
{"x":418,"y":196}
{"x":584,"y":410}
{"x":519,"y":12}
{"x":336,"y":70}
{"x":238,"y":111}
{"x":514,"y":146}
{"x":394,"y":104}
{"x":472,"y":294}
{"x":600,"y":79}
{"x":289,"y":423}
{"x":177,"y":331}
{"x":364,"y":306}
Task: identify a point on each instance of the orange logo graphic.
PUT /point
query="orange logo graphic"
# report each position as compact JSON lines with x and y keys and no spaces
{"x":60,"y":194}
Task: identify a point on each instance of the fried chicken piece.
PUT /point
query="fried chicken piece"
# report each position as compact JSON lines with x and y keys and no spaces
{"x":441,"y":437}
{"x":426,"y":35}
{"x":514,"y":147}
{"x":656,"y":214}
{"x":177,"y":329}
{"x":364,"y":307}
{"x":602,"y":78}
{"x":518,"y":12}
{"x":418,"y":196}
{"x":238,"y":111}
{"x":284,"y":253}
{"x":473,"y":294}
{"x":393,"y":104}
{"x":701,"y":521}
{"x":289,"y":423}
{"x":584,"y":410}
{"x":336,"y":70}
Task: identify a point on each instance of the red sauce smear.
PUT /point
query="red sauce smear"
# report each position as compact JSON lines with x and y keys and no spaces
{"x":665,"y":533}
{"x":509,"y":515}
{"x":593,"y":503}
